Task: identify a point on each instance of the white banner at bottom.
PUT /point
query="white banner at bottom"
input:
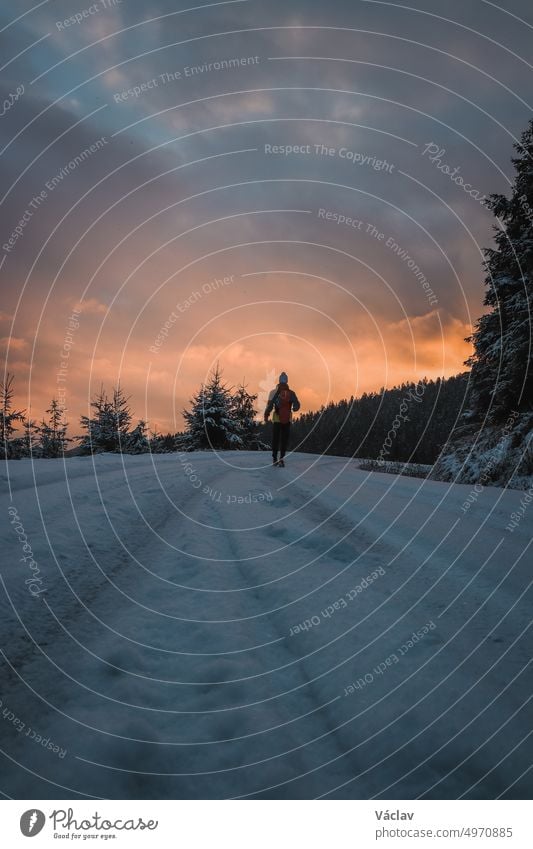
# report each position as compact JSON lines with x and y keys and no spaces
{"x":267,"y":824}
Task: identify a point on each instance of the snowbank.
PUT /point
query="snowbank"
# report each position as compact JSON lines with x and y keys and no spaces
{"x":493,"y":456}
{"x":396,"y":467}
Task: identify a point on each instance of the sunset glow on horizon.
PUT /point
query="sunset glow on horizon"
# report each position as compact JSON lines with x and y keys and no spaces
{"x":199,"y":206}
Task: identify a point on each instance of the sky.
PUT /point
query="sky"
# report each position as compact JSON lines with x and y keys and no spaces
{"x":294,"y":186}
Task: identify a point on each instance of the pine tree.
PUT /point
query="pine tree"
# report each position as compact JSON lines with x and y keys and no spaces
{"x":30,"y":440}
{"x":181,"y":441}
{"x":93,"y":439}
{"x":107,"y":429}
{"x":244,"y":413}
{"x":121,"y":417}
{"x":502,"y":374}
{"x":8,"y":417}
{"x":210,"y":421}
{"x":53,"y":433}
{"x":160,"y":444}
{"x":167,"y":443}
{"x":26,"y":445}
{"x":137,"y":441}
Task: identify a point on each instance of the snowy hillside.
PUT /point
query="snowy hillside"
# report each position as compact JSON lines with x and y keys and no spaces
{"x":492,"y":456}
{"x":203,"y":626}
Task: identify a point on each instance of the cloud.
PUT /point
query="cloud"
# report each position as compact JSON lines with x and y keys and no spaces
{"x":434,"y":343}
{"x":14,"y":343}
{"x":92,"y":306}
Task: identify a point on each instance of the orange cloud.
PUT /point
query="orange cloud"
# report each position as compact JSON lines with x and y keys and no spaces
{"x":13,"y":342}
{"x":93,"y":306}
{"x":435,"y":342}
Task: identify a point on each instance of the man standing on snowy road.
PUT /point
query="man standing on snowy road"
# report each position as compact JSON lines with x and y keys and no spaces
{"x":283,"y":402}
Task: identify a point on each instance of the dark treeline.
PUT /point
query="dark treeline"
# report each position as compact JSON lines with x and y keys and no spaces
{"x":411,"y":422}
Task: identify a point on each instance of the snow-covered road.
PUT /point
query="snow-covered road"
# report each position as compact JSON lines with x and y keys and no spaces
{"x":194,"y":626}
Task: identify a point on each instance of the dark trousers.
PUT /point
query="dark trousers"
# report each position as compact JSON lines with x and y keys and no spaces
{"x":280,"y":438}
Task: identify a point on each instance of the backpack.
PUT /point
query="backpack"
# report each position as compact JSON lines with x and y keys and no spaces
{"x":283,"y":405}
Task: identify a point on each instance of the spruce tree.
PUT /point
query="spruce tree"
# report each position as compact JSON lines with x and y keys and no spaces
{"x":160,"y":444}
{"x":93,"y":440}
{"x":121,"y":418}
{"x":107,"y":428}
{"x":26,"y":445}
{"x":502,"y":376}
{"x":244,"y":413}
{"x":137,"y":441}
{"x":53,"y":433}
{"x":210,"y":421}
{"x":8,"y":417}
{"x":30,"y":440}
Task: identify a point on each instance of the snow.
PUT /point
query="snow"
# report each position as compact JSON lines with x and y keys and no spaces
{"x":396,"y":467}
{"x":494,"y":456}
{"x":222,"y":628}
